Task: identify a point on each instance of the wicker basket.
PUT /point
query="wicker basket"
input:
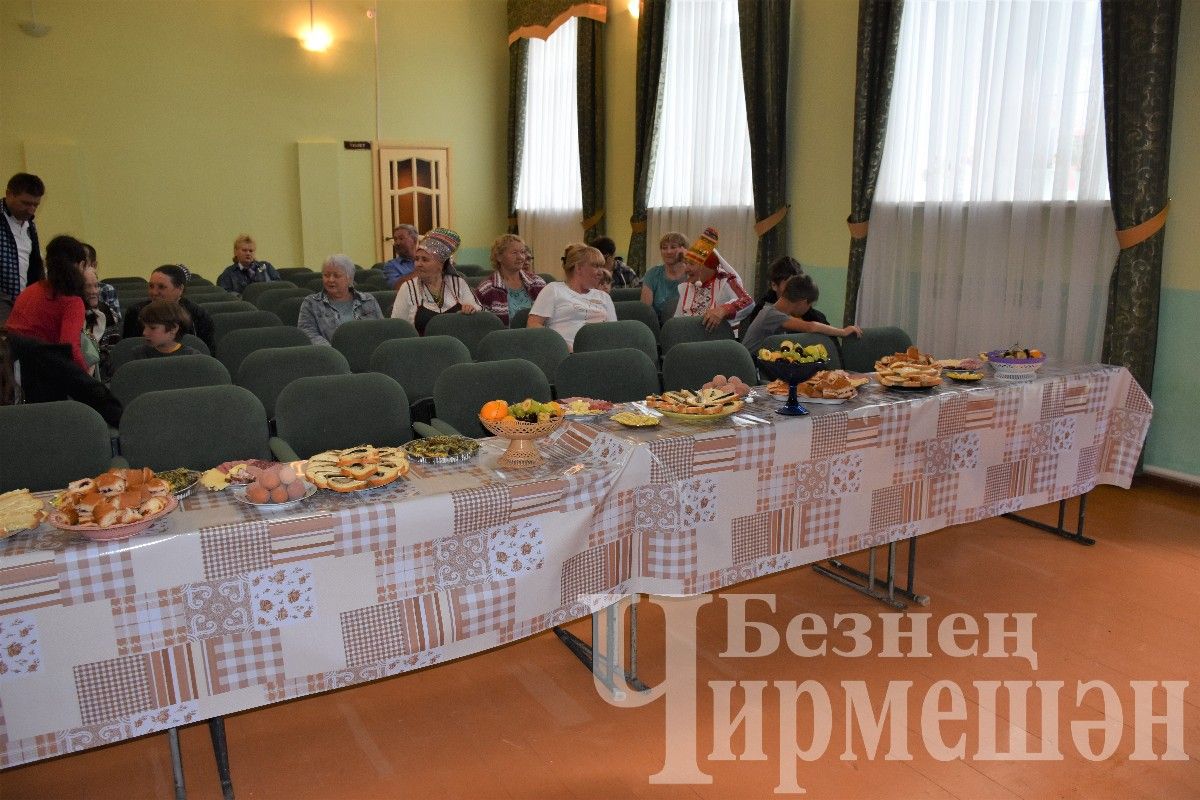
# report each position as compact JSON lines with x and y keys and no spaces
{"x":1014,"y":369}
{"x":521,"y":435}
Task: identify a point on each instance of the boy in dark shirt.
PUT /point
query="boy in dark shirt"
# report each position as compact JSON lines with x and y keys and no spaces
{"x":778,"y":273}
{"x":163,"y":323}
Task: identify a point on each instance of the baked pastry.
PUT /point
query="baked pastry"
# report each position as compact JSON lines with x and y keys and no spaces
{"x":19,"y":511}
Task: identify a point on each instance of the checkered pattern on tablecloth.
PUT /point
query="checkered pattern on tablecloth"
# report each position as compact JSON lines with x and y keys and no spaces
{"x":94,"y":571}
{"x":149,"y":621}
{"x":373,"y":633}
{"x":952,"y":413}
{"x":1008,"y":405}
{"x":750,"y":537}
{"x":1120,"y":457}
{"x":669,"y":553}
{"x":613,"y":518}
{"x":596,"y":571}
{"x":942,"y":490}
{"x":234,"y":549}
{"x":998,"y":483}
{"x":819,"y":522}
{"x":1089,"y":463}
{"x":110,"y":689}
{"x":484,"y":607}
{"x":895,"y":422}
{"x":829,"y":435}
{"x":359,"y":528}
{"x":1136,"y":400}
{"x":1053,"y":398}
{"x":244,"y":659}
{"x":1043,"y":473}
{"x":887,"y":507}
{"x":584,"y":489}
{"x":755,"y":447}
{"x":777,"y":486}
{"x":19,"y":751}
{"x":672,"y":459}
{"x":404,"y":571}
{"x":481,"y":507}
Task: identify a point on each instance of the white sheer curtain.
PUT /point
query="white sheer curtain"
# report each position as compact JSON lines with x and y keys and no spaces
{"x":549,"y":190}
{"x":701,"y":174}
{"x":991,"y":223}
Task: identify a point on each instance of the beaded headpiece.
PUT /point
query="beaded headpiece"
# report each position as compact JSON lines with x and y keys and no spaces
{"x":441,"y":242}
{"x":704,"y":250}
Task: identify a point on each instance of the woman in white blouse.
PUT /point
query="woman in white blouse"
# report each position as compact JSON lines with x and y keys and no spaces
{"x":438,"y":289}
{"x":565,"y":307}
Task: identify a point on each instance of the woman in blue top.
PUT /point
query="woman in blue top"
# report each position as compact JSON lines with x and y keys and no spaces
{"x":323,"y":312}
{"x":660,"y":287}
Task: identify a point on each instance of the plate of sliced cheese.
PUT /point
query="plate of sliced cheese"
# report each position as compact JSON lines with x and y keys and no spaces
{"x":19,"y":511}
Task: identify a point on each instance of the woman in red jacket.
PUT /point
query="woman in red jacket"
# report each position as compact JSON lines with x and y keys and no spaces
{"x":45,"y":330}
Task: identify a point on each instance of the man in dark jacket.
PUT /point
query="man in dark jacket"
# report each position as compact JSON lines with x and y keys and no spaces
{"x":245,"y":269}
{"x":20,"y":255}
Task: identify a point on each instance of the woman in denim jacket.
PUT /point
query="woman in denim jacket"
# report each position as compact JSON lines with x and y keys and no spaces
{"x":323,"y":312}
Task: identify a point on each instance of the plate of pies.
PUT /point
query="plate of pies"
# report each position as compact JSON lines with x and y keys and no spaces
{"x":355,"y":469}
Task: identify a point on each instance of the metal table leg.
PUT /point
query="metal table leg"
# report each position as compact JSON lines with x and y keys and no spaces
{"x":1060,"y":529}
{"x":176,"y":764}
{"x":216,"y":729}
{"x":885,"y":591}
{"x":607,"y":663}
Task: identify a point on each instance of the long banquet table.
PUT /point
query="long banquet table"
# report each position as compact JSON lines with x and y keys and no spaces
{"x":221,"y":608}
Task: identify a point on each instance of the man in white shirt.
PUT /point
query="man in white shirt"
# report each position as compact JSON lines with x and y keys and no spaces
{"x":20,"y":255}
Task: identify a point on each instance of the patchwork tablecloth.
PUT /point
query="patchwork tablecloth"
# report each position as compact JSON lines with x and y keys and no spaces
{"x":221,"y":607}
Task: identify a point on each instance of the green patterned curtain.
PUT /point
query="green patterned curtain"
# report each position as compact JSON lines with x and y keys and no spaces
{"x":590,"y":90}
{"x":518,"y":63}
{"x":652,"y":32}
{"x":764,"y":26}
{"x":878,"y":35}
{"x":1139,"y":39}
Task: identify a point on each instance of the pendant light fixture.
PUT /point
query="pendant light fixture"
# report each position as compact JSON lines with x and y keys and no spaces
{"x":316,"y":39}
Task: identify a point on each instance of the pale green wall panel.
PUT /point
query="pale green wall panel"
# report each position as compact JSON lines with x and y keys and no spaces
{"x":57,"y":163}
{"x":1174,"y":441}
{"x":320,"y":201}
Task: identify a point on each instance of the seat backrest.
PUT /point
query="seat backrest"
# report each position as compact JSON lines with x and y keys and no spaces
{"x":462,"y":389}
{"x":268,"y":371}
{"x":357,"y":339}
{"x":196,"y":343}
{"x":677,"y":330}
{"x":336,"y":411}
{"x":48,"y":445}
{"x":467,"y":328}
{"x":213,"y":306}
{"x":291,"y":273}
{"x":122,"y":352}
{"x":174,"y":372}
{"x":614,"y":335}
{"x":690,"y":365}
{"x":236,"y":320}
{"x":272,"y":299}
{"x":313,"y":282}
{"x":416,"y":363}
{"x":831,"y":345}
{"x":128,"y":280}
{"x":542,"y":346}
{"x":238,"y":344}
{"x":619,"y":376}
{"x":623,"y":294}
{"x":547,"y":277}
{"x":859,"y":354}
{"x":386,"y":299}
{"x":519,"y":319}
{"x":194,"y":428}
{"x":252,"y":292}
{"x":288,"y":309}
{"x":210,"y":294}
{"x":198,"y":280}
{"x":636,"y":309}
{"x":469,"y":270}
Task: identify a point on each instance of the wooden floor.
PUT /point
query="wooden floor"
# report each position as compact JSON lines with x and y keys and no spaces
{"x":524,"y":721}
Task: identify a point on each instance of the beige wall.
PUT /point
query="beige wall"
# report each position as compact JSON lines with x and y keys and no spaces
{"x":165,"y":128}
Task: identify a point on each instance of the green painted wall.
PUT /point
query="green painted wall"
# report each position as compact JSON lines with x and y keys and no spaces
{"x":164,"y":129}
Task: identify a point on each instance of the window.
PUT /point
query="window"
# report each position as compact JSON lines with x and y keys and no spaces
{"x":549,"y":192}
{"x":701,"y":173}
{"x":991,"y":223}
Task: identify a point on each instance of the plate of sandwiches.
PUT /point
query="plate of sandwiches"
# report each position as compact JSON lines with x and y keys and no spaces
{"x":114,"y":505}
{"x":356,"y":469}
{"x":911,"y":369}
{"x":828,"y":387}
{"x":696,"y":406}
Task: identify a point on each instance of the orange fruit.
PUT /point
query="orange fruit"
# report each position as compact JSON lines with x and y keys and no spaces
{"x":494,"y":410}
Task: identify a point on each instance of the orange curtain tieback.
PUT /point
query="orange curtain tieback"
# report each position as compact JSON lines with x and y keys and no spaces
{"x":1132,"y":237}
{"x":762,"y":226}
{"x":593,"y":220}
{"x":858,"y":230}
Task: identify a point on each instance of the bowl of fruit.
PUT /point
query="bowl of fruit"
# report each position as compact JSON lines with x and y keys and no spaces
{"x":1015,"y":363}
{"x":521,"y":423}
{"x":793,"y":364}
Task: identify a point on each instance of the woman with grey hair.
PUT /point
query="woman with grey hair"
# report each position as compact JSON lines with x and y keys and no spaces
{"x":323,"y":312}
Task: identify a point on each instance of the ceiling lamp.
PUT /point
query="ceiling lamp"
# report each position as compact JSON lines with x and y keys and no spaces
{"x":317,"y":38}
